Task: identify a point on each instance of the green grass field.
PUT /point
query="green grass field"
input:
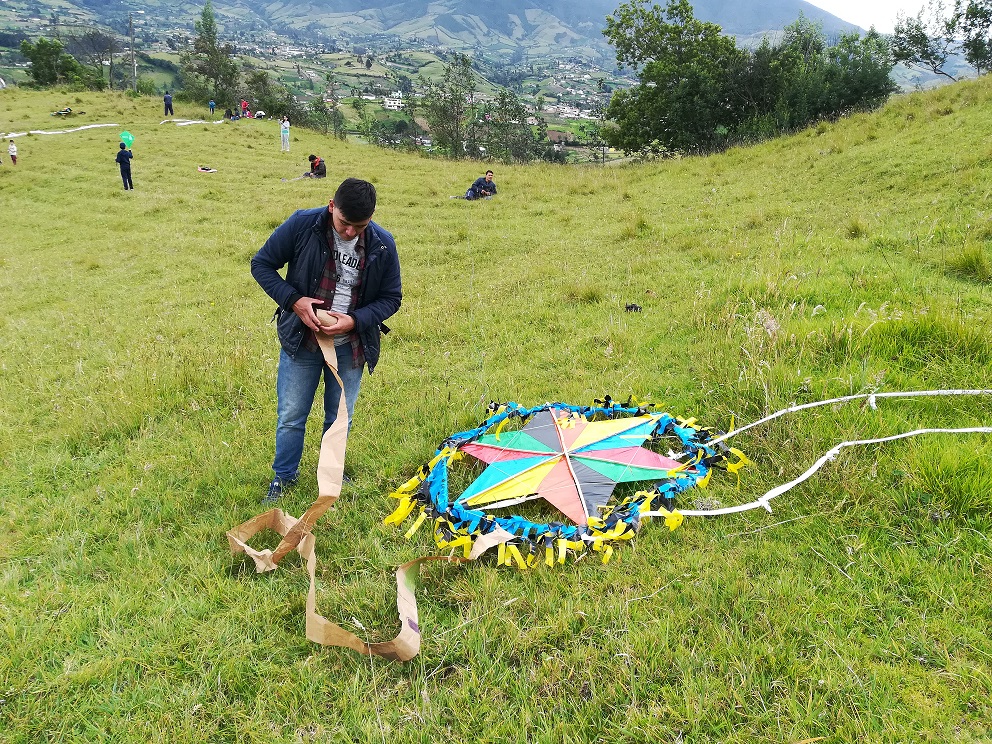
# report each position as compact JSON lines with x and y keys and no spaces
{"x":137,"y":374}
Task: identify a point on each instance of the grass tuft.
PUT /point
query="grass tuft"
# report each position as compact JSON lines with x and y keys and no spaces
{"x":972,"y":264}
{"x":856,"y":228}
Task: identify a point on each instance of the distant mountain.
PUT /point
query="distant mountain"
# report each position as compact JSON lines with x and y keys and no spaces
{"x":541,"y":27}
{"x":533,"y":27}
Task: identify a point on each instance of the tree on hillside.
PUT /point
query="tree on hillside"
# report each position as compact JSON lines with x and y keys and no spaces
{"x":50,"y":65}
{"x":95,"y":48}
{"x":684,"y":88}
{"x":338,"y":123}
{"x":698,"y":92}
{"x":927,"y":40}
{"x":802,"y":79}
{"x":265,"y":93}
{"x":209,"y":69}
{"x":859,"y":72}
{"x":506,"y":134}
{"x":447,"y":103}
{"x":930,"y":39}
{"x":975,"y":26}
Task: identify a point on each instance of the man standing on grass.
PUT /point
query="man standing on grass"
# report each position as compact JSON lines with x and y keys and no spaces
{"x":124,"y":161}
{"x":342,"y":262}
{"x":167,"y":99}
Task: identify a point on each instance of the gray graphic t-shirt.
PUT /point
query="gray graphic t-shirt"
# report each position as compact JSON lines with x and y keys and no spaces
{"x":346,"y":260}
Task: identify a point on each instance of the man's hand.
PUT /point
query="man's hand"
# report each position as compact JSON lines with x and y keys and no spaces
{"x":303,"y":307}
{"x":336,"y":324}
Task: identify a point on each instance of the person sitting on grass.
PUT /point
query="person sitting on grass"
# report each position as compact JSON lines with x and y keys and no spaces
{"x":483,"y":188}
{"x":317,"y":168}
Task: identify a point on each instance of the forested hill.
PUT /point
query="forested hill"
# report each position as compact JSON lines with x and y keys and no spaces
{"x":531,"y":26}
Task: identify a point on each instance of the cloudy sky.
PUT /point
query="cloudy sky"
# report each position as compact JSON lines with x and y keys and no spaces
{"x":881,"y":13}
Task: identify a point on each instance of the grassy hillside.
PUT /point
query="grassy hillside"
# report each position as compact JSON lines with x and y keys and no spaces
{"x":137,"y":370}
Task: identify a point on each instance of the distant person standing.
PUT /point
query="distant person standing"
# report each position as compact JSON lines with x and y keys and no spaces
{"x":12,"y":151}
{"x":168,"y":103}
{"x":212,"y":106}
{"x":284,"y":131}
{"x":124,"y":161}
{"x":244,"y":108}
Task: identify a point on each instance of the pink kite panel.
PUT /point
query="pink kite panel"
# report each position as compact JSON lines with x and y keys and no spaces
{"x":638,"y":456}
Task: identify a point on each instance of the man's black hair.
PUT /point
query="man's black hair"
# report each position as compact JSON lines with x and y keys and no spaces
{"x":488,"y":172}
{"x":123,"y":146}
{"x":356,"y":199}
{"x":311,"y":158}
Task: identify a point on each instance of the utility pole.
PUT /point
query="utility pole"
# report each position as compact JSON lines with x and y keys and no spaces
{"x":134,"y":64}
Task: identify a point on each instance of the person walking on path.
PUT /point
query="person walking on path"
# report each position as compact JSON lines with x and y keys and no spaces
{"x":284,"y":132}
{"x":124,"y":161}
{"x":340,"y":261}
{"x":167,"y":99}
{"x":12,"y":151}
{"x":212,"y":106}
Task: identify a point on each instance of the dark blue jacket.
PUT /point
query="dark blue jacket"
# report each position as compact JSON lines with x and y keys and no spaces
{"x":301,"y":242}
{"x":481,"y":187}
{"x":124,"y":159}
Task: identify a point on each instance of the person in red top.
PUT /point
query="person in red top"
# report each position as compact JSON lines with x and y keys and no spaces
{"x":244,"y":107}
{"x":318,"y":169}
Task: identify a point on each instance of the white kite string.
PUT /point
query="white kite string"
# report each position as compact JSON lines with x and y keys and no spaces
{"x":57,"y":131}
{"x":830,"y":455}
{"x":871,"y":402}
{"x":187,"y":122}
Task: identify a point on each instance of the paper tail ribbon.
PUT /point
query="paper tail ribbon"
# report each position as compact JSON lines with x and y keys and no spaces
{"x":297,"y":534}
{"x":319,"y":629}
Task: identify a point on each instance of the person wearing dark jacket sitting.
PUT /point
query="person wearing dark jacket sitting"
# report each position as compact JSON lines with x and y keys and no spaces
{"x":483,"y":188}
{"x":318,"y":169}
{"x":124,"y":161}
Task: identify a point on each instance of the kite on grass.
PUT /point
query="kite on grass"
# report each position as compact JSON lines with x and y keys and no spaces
{"x":573,"y":458}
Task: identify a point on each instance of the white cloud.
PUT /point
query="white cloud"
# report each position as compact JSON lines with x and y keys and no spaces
{"x":865,"y":13}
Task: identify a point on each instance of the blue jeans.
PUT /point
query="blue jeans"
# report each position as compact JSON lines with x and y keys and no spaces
{"x":296,"y":387}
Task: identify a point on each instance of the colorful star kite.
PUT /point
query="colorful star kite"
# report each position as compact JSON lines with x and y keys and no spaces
{"x":571,"y":463}
{"x":573,"y":457}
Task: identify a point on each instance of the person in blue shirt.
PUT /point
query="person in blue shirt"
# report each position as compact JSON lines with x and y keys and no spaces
{"x":124,"y":161}
{"x":212,"y":105}
{"x":483,"y":188}
{"x":167,"y":99}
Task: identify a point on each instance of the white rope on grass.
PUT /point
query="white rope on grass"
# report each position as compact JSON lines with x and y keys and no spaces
{"x":187,"y":122}
{"x":871,"y":397}
{"x":833,"y":452}
{"x":57,"y":131}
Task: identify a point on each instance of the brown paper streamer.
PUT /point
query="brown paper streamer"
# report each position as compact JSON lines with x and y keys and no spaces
{"x":297,"y":535}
